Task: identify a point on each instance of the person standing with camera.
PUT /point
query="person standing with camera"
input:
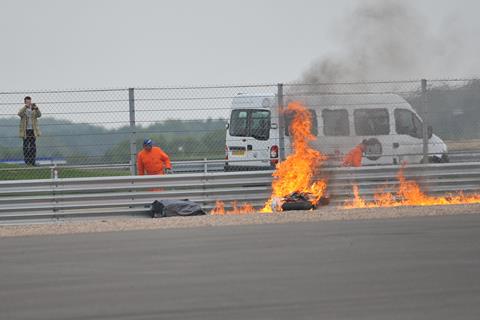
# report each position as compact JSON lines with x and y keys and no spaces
{"x":29,"y":130}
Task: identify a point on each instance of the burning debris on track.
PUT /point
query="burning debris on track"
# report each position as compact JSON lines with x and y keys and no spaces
{"x":301,"y":201}
{"x":296,"y":174}
{"x":409,"y":193}
{"x":243,"y":209}
{"x":294,"y":186}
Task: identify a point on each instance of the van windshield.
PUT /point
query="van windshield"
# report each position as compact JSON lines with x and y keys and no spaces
{"x":250,"y":123}
{"x":407,"y":122}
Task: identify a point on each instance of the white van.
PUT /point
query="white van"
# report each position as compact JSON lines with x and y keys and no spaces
{"x":392,"y":129}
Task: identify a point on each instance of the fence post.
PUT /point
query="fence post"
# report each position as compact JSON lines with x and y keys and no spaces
{"x":281,"y":123}
{"x":133,"y":132}
{"x":425,"y":121}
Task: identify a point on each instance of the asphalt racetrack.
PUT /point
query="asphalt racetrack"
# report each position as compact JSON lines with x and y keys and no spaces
{"x":409,"y":268}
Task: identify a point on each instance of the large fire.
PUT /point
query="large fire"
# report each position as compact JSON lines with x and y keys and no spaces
{"x":296,"y":173}
{"x":408,"y":194}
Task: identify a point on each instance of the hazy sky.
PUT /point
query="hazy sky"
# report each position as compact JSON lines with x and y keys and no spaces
{"x":103,"y":44}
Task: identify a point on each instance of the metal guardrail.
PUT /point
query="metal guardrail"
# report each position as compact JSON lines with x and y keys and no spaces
{"x":82,"y":197}
{"x":434,"y":179}
{"x":464,"y":156}
{"x":186,"y":166}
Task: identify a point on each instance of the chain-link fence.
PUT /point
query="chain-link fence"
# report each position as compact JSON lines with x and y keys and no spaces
{"x":99,"y":132}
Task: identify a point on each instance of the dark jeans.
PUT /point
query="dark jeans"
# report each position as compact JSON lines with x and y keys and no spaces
{"x":29,"y":148}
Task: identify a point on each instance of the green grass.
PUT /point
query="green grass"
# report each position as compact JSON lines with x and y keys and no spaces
{"x":21,"y":172}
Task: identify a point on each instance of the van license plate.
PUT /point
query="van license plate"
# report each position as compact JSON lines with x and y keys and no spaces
{"x":238,"y":152}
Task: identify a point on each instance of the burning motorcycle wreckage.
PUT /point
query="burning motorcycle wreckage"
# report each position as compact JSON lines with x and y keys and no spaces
{"x":296,"y":186}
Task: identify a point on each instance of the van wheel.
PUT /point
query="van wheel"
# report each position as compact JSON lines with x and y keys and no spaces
{"x":436,"y":159}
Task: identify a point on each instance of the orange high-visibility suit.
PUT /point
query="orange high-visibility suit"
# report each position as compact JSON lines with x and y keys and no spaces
{"x":152,"y":161}
{"x":354,"y":157}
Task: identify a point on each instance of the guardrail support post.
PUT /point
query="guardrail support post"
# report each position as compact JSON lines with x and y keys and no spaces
{"x":425,"y":121}
{"x":133,"y":132}
{"x":281,"y":122}
{"x":54,"y":172}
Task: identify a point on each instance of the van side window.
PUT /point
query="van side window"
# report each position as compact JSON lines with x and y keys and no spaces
{"x":335,"y":123}
{"x":407,"y":122}
{"x":238,"y":123}
{"x":313,"y":117}
{"x":371,"y":122}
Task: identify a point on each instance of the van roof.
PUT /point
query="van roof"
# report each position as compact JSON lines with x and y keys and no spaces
{"x":253,"y":101}
{"x":320,"y":100}
{"x":350,"y":99}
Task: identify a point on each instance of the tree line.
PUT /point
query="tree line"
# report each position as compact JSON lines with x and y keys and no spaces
{"x":454,"y":113}
{"x":89,"y":144}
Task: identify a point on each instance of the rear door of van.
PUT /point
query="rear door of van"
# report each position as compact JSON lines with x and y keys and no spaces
{"x":248,"y":138}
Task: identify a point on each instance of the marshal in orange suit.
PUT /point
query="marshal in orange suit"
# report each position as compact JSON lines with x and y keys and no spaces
{"x":354,"y":157}
{"x":152,"y":160}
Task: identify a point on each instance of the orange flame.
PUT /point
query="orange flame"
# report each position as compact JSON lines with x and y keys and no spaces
{"x":220,"y":208}
{"x":296,"y":173}
{"x":408,"y":194}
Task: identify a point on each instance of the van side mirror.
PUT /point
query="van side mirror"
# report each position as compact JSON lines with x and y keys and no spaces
{"x":430,"y":132}
{"x":273,"y":126}
{"x":227,"y":125}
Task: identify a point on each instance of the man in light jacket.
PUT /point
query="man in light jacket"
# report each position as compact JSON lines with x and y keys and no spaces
{"x":29,"y":130}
